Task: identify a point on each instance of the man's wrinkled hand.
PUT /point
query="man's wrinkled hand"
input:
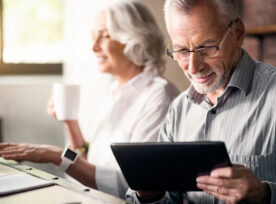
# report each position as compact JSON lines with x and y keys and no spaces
{"x":235,"y":184}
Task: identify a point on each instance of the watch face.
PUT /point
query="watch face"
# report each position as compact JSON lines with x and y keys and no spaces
{"x":70,"y":154}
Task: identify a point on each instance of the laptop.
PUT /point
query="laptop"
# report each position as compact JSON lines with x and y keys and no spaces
{"x":165,"y":166}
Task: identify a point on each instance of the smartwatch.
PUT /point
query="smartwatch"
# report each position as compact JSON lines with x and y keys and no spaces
{"x":68,"y":157}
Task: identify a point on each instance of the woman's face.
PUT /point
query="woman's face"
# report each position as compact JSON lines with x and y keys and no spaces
{"x":109,"y":52}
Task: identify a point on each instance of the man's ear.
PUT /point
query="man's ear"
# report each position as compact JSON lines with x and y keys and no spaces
{"x":239,"y":30}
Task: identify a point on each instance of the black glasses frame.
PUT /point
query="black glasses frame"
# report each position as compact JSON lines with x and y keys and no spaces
{"x":198,"y":50}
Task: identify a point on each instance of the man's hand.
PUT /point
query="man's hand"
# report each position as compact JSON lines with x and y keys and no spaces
{"x":235,"y":184}
{"x":149,"y":196}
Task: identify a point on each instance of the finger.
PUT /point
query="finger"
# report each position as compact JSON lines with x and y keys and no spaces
{"x":217,"y":189}
{"x":54,"y":114}
{"x":17,"y":147}
{"x":50,"y":105}
{"x":149,"y":195}
{"x":146,"y":193}
{"x":228,"y":172}
{"x":5,"y":145}
{"x":11,"y":151}
{"x":237,"y":165}
{"x":51,"y":109}
{"x":235,"y":198}
{"x":222,"y":182}
{"x":17,"y":157}
{"x":50,"y":101}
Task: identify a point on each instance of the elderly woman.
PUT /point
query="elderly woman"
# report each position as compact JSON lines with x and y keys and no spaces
{"x":128,"y":45}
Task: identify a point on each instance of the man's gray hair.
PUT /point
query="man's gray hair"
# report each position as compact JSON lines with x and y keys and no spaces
{"x":131,"y":23}
{"x":228,"y":9}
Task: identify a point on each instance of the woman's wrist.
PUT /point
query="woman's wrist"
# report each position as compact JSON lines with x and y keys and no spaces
{"x":54,"y":155}
{"x":70,"y":122}
{"x":74,"y":133}
{"x":83,"y":149}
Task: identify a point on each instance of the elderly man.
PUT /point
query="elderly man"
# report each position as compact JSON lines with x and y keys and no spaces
{"x":231,"y":99}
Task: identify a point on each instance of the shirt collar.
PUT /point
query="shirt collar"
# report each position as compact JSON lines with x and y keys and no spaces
{"x":194,"y":96}
{"x":243,"y":74}
{"x":241,"y":78}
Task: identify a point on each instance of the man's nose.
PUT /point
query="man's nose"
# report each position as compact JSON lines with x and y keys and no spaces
{"x":194,"y":62}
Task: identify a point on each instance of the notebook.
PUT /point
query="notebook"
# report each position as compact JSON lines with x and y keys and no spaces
{"x":14,"y":183}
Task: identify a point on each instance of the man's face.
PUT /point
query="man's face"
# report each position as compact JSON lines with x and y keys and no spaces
{"x":197,"y":29}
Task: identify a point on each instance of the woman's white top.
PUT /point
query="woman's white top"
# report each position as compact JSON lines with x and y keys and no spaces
{"x":133,"y":113}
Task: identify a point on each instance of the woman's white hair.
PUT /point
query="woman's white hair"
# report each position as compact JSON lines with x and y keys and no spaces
{"x":227,"y":9}
{"x":131,"y":23}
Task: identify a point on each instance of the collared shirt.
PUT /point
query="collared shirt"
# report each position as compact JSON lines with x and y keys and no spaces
{"x":244,"y":118}
{"x":132,"y":113}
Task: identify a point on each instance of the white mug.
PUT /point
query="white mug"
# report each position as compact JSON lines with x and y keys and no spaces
{"x":66,"y":101}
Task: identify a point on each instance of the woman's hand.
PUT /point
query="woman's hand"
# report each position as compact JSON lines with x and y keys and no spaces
{"x":52,"y":112}
{"x":50,"y":107}
{"x":31,"y":152}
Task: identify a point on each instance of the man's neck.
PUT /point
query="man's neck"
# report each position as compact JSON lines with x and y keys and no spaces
{"x":213,"y":96}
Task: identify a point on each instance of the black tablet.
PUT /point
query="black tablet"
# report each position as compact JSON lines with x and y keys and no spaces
{"x":163,"y":166}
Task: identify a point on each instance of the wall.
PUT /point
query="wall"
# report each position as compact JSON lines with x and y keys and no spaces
{"x":260,"y":13}
{"x":173,"y":72}
{"x":23,"y":112}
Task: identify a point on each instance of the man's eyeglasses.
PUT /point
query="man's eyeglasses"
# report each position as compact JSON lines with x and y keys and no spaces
{"x":206,"y":51}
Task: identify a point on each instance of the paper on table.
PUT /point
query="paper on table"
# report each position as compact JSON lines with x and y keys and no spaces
{"x":13,"y":183}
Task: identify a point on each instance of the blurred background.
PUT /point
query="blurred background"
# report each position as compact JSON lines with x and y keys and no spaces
{"x":47,"y":41}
